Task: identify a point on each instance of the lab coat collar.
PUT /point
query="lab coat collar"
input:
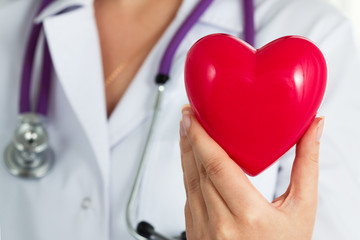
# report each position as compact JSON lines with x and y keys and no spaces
{"x":221,"y":13}
{"x":224,"y":14}
{"x":58,"y":6}
{"x":228,"y":14}
{"x":81,"y":75}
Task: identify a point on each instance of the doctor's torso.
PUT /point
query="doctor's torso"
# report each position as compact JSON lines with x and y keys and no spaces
{"x":85,"y":194}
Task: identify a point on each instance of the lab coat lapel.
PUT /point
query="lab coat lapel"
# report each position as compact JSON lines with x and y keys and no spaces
{"x":76,"y":55}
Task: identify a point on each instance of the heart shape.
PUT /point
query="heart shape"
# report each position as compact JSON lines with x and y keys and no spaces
{"x":255,"y":103}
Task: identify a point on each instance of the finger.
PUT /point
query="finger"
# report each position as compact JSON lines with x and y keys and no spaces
{"x":215,"y":204}
{"x":192,"y":182}
{"x":305,"y":172}
{"x":217,"y":208}
{"x":188,"y":221}
{"x":229,"y":180}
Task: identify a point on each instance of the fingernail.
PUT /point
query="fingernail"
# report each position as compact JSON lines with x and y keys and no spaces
{"x":186,"y":121}
{"x":185,"y":108}
{"x":320,"y":129}
{"x":182,"y":129}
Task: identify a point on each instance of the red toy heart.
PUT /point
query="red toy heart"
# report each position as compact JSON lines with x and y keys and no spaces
{"x":256,"y":104}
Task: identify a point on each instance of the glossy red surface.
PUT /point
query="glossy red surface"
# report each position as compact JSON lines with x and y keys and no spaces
{"x":256,"y":104}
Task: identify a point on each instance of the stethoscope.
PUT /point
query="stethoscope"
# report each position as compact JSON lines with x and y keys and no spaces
{"x":29,"y":154}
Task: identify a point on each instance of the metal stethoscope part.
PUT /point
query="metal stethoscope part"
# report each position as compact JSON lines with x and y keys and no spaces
{"x":144,"y":230}
{"x":29,"y":154}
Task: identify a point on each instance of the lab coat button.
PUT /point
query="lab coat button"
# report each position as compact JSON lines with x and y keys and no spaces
{"x":86,"y":203}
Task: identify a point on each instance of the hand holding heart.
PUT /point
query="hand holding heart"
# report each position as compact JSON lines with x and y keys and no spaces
{"x":223,"y":204}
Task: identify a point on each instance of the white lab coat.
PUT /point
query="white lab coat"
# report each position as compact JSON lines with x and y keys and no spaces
{"x":85,"y":195}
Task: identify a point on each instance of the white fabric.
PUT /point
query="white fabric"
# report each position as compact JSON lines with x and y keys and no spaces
{"x":85,"y":195}
{"x":351,"y":9}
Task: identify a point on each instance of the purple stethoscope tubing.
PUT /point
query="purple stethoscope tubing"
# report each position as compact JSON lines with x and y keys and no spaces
{"x":164,"y":67}
{"x":25,"y":86}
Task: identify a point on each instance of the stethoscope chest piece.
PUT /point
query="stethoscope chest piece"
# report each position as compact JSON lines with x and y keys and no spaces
{"x":29,"y":154}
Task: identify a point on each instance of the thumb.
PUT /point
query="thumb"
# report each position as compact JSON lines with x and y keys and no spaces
{"x":305,"y":172}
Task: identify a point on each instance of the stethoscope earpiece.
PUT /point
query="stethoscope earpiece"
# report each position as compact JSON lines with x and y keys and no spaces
{"x":29,"y":155}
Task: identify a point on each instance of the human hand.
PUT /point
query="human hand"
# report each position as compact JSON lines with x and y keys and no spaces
{"x":221,"y":202}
